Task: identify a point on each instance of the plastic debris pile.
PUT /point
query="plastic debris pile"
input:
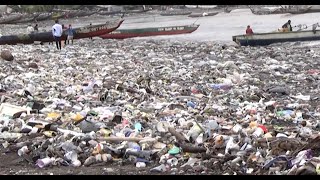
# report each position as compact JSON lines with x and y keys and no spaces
{"x":171,"y":107}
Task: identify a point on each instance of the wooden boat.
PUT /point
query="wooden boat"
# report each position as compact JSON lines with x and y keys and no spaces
{"x":43,"y":16}
{"x":175,"y":13}
{"x":156,"y":31}
{"x":26,"y":18}
{"x":263,"y":39}
{"x":265,"y":11}
{"x":136,"y":11}
{"x":87,"y":13}
{"x":121,"y":12}
{"x":194,"y":15}
{"x":10,"y":18}
{"x":58,"y":15}
{"x":300,"y":11}
{"x":108,"y":12}
{"x":83,"y":32}
{"x":80,"y":14}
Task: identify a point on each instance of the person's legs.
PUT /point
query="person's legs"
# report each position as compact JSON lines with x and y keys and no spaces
{"x":59,"y":42}
{"x":56,"y":39}
{"x":67,"y":41}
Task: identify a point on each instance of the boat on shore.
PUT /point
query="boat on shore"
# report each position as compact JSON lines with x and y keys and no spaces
{"x":194,"y":15}
{"x":266,"y":11}
{"x":155,"y":31}
{"x":10,"y":18}
{"x":106,"y":13}
{"x":264,"y":39}
{"x":175,"y":13}
{"x":26,"y":19}
{"x":135,"y":11}
{"x":43,"y":16}
{"x":82,"y":32}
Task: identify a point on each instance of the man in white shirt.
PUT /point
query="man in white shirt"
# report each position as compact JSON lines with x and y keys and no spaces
{"x":57,"y":33}
{"x":30,"y":29}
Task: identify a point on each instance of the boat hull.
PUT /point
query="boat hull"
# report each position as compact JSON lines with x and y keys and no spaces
{"x":201,"y":15}
{"x":160,"y":31}
{"x":264,"y":39}
{"x":29,"y":18}
{"x":9,"y":19}
{"x":175,"y":13}
{"x":84,"y":32}
{"x":108,"y":12}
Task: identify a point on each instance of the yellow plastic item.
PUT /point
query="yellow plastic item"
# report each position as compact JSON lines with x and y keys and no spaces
{"x":253,"y":124}
{"x":77,"y":117}
{"x":53,"y":115}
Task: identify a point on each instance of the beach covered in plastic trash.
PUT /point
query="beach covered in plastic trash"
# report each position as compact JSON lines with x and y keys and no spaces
{"x":160,"y":106}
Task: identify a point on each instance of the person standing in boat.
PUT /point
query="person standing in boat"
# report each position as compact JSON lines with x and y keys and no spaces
{"x":287,"y":26}
{"x":57,"y":33}
{"x":249,"y":30}
{"x":70,"y":33}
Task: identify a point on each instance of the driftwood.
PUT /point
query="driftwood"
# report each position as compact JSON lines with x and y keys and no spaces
{"x":179,"y":136}
{"x":312,"y":144}
{"x":191,"y":149}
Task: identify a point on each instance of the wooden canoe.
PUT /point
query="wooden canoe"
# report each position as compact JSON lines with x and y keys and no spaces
{"x":83,"y":32}
{"x":108,"y":12}
{"x":175,"y":13}
{"x":10,"y":18}
{"x":122,"y":12}
{"x":136,"y":11}
{"x":263,"y":39}
{"x":43,"y":16}
{"x":265,"y":11}
{"x":194,"y":15}
{"x":155,"y":31}
{"x":26,"y":18}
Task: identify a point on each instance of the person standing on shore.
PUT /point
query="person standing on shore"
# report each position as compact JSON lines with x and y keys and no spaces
{"x":57,"y":33}
{"x":30,"y":29}
{"x":90,"y":27}
{"x":36,"y":28}
{"x":249,"y":30}
{"x":70,"y":32}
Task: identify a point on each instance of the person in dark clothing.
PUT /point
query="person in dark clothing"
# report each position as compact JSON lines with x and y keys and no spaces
{"x":249,"y":30}
{"x":90,"y":26}
{"x":287,"y":25}
{"x":36,"y":28}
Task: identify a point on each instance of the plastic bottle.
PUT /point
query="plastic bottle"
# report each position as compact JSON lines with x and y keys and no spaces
{"x":191,"y":104}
